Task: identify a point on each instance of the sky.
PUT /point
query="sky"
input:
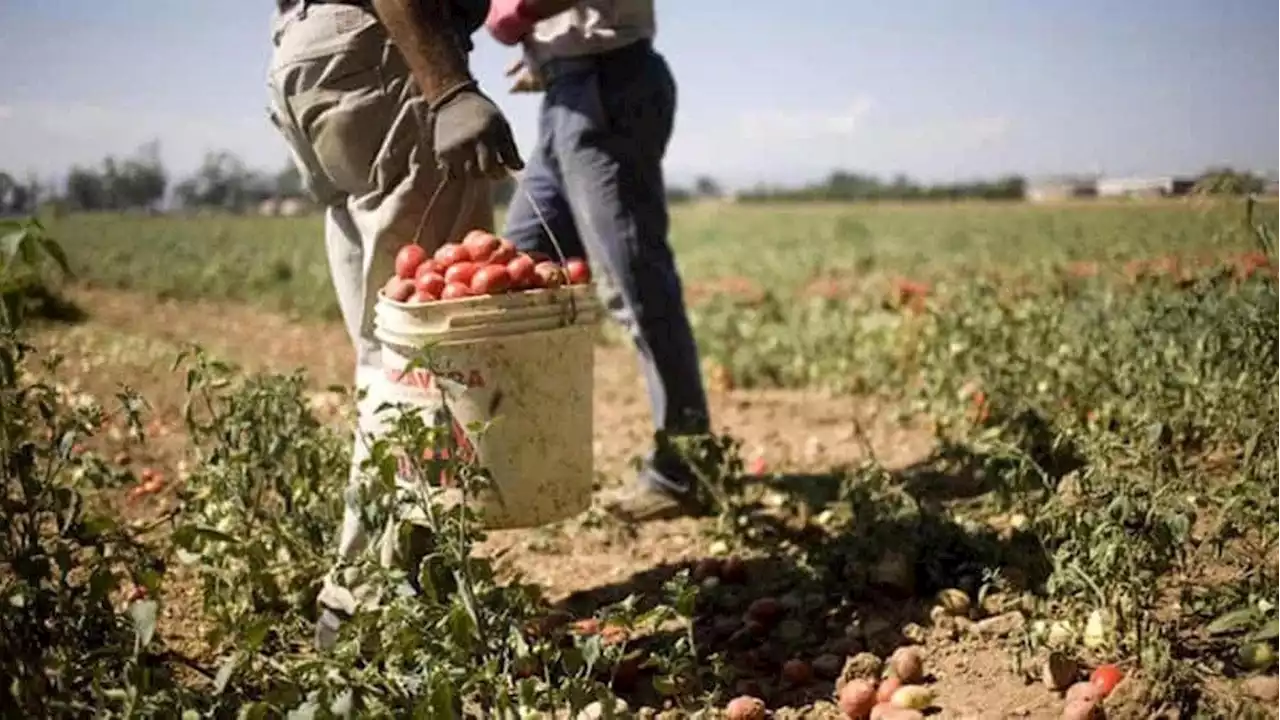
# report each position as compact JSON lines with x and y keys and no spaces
{"x":769,"y":92}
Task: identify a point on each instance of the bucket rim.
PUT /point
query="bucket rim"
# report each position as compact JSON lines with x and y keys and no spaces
{"x":381,"y":334}
{"x":564,"y":291}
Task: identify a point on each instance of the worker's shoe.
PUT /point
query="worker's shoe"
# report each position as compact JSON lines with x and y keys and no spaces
{"x":665,"y":488}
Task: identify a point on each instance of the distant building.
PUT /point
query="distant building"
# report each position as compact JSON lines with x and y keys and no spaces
{"x":283,"y":207}
{"x":1141,"y":187}
{"x":1061,"y":188}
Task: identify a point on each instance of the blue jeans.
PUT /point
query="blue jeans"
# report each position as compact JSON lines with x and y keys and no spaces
{"x":596,"y":176}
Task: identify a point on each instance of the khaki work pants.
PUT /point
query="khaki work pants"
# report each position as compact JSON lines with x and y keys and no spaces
{"x":344,"y":101}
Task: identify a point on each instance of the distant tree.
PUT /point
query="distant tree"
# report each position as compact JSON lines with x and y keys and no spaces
{"x":139,"y":181}
{"x":707,"y":187}
{"x":288,"y":183}
{"x":1227,"y":181}
{"x":85,"y":189}
{"x":677,"y":195}
{"x":846,"y":186}
{"x":224,"y":182}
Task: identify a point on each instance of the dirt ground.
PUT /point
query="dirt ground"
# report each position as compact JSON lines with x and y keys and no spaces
{"x":133,"y":339}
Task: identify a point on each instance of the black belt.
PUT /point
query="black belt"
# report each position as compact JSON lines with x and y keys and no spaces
{"x":287,"y":5}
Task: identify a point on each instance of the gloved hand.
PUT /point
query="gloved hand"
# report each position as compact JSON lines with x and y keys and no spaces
{"x":509,"y":21}
{"x":527,"y":79}
{"x":471,"y":137}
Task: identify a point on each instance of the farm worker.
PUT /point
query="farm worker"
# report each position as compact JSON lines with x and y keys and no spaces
{"x":595,"y":177}
{"x":378,"y":107}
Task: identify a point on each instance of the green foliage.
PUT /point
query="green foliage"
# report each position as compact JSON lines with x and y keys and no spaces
{"x":65,"y":560}
{"x":1118,"y":418}
{"x":26,"y":254}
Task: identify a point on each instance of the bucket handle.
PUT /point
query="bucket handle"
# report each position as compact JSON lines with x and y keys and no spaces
{"x":555,"y":242}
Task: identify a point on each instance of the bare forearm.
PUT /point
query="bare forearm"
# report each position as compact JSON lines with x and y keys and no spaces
{"x":543,"y":9}
{"x":424,"y":37}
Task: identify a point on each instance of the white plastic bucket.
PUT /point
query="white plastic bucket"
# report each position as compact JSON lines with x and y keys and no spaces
{"x":523,"y":360}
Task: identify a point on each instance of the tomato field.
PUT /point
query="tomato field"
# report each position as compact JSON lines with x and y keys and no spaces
{"x":977,"y":461}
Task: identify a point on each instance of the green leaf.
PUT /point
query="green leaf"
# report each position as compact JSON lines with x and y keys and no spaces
{"x":306,"y":711}
{"x":1233,"y":621}
{"x":442,"y":699}
{"x":252,"y":711}
{"x":144,"y":614}
{"x":1269,"y":631}
{"x":226,"y":671}
{"x":591,"y":650}
{"x":54,"y":250}
{"x":256,"y":634}
{"x":11,"y":245}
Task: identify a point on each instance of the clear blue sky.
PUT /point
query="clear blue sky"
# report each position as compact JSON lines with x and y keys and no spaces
{"x":769,"y":91}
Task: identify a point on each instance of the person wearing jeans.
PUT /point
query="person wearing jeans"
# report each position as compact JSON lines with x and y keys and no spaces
{"x":595,"y":179}
{"x":376,"y":103}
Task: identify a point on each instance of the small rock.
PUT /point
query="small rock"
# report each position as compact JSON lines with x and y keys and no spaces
{"x":790,"y":630}
{"x":895,"y":572}
{"x":813,"y":449}
{"x":828,"y":666}
{"x":841,"y":646}
{"x":1262,"y":687}
{"x":914,"y":633}
{"x":875,"y":627}
{"x":598,"y":711}
{"x":995,"y":603}
{"x":864,"y":665}
{"x":1000,"y":625}
{"x":954,"y":602}
{"x":1059,"y":672}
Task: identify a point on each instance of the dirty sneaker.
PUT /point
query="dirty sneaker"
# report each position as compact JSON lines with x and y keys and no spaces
{"x":661,"y":491}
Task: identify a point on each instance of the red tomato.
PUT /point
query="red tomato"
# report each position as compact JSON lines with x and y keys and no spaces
{"x":454,"y":291}
{"x":428,"y":266}
{"x":888,"y":687}
{"x":398,"y":288}
{"x":449,"y":254}
{"x":521,"y":271}
{"x":491,"y":280}
{"x":430,"y":284}
{"x":578,"y":270}
{"x":461,"y":273}
{"x":422,"y":298}
{"x":548,"y":274}
{"x":480,"y":244}
{"x":1105,"y":678}
{"x":408,"y":259}
{"x":504,"y":253}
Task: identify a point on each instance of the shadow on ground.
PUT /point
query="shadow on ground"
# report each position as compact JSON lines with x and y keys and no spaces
{"x":40,"y":304}
{"x":835,"y":564}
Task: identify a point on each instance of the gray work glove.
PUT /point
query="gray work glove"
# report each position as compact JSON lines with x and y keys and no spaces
{"x":472,"y":137}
